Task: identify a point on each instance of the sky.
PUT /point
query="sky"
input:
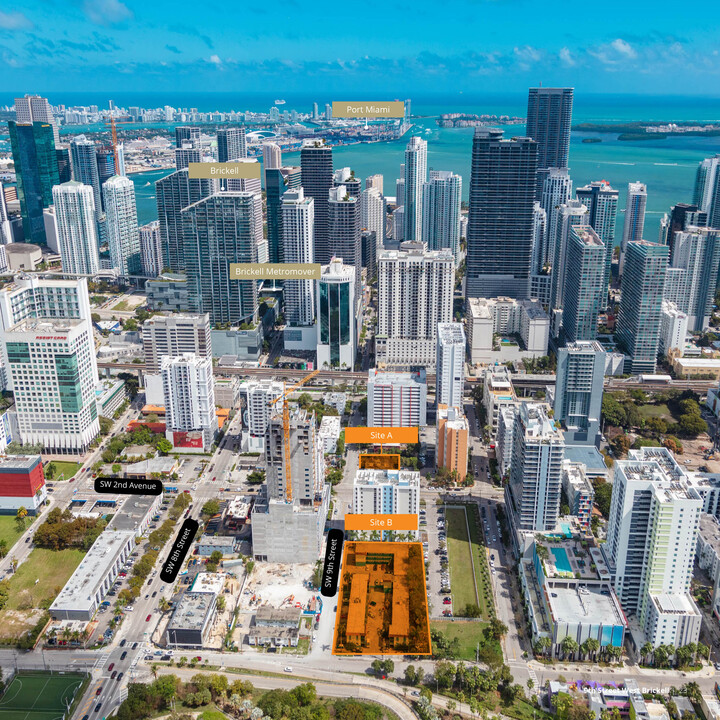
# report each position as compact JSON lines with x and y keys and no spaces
{"x":613,"y":46}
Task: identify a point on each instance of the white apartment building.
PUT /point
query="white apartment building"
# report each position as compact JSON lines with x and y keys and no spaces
{"x":533,"y":494}
{"x":450,"y":365}
{"x":673,"y":328}
{"x":386,"y":492}
{"x":397,"y":399}
{"x":175,"y":335}
{"x":257,"y":396}
{"x":51,"y":366}
{"x":372,"y":214}
{"x":415,"y":169}
{"x":122,"y":225}
{"x":76,"y":228}
{"x":489,"y":317}
{"x":650,"y":548}
{"x":498,"y":392}
{"x":415,"y":293}
{"x":189,"y":394}
{"x":442,"y":195}
{"x":298,"y":222}
{"x":505,"y":435}
{"x":151,"y":251}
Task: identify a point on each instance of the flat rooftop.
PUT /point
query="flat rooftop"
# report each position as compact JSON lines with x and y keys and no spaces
{"x":78,"y":593}
{"x":710,"y":531}
{"x":589,"y":456}
{"x":410,"y":478}
{"x":218,"y":540}
{"x":674,"y":604}
{"x":266,"y":614}
{"x":192,"y":611}
{"x":134,"y":511}
{"x":584,"y":605}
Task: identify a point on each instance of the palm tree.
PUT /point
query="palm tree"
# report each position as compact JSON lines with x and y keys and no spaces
{"x":646,"y":652}
{"x":3,"y":548}
{"x":569,"y":646}
{"x":154,"y":670}
{"x":592,"y":646}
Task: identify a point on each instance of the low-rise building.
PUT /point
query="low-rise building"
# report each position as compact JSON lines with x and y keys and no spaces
{"x":568,"y":593}
{"x":22,"y":484}
{"x":225,"y":544}
{"x":192,"y":620}
{"x":686,"y":367}
{"x":276,"y":627}
{"x":498,"y":392}
{"x":110,"y":394}
{"x":673,"y":328}
{"x":87,"y":586}
{"x":329,"y":433}
{"x":227,"y":392}
{"x":335,"y":400}
{"x":579,"y":492}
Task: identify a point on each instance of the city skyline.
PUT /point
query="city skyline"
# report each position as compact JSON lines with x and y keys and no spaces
{"x":129,"y":45}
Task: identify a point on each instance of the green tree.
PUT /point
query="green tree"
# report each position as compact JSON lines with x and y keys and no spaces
{"x":164,"y":446}
{"x":569,"y":646}
{"x":612,"y":411}
{"x":210,"y":508}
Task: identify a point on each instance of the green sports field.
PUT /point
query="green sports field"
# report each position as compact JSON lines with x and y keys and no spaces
{"x":39,"y":696}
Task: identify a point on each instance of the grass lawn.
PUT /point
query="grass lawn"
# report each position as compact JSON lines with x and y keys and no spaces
{"x":461,"y":561}
{"x":122,"y":305}
{"x":9,"y":530}
{"x":212,"y":715}
{"x":482,"y":567}
{"x":68,"y":468}
{"x":469,"y":634}
{"x":658,"y":411}
{"x":51,"y":569}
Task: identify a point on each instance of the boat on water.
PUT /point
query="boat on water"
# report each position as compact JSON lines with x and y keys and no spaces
{"x":279,"y":102}
{"x":146,"y":184}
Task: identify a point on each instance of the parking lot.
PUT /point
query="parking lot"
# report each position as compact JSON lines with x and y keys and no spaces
{"x":438,"y":578}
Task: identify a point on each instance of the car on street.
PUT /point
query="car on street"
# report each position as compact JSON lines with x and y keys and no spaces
{"x":97,"y":707}
{"x":111,"y":666}
{"x":112,"y":677}
{"x":99,"y":690}
{"x":288,"y":668}
{"x":147,"y":619}
{"x":120,"y":676}
{"x":124,"y":655}
{"x":122,"y":642}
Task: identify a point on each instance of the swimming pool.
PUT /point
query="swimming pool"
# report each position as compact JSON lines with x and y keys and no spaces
{"x":562,"y":561}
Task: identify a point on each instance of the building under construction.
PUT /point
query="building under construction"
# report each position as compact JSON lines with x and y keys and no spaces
{"x":287,"y":527}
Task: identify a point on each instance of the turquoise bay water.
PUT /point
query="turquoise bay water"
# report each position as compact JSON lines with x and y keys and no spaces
{"x":667,"y":166}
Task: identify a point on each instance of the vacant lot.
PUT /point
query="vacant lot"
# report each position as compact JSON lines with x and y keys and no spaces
{"x":34,"y":586}
{"x":470,"y":636}
{"x":462,"y":575}
{"x":9,"y":531}
{"x":661,"y":411}
{"x":65,"y":470}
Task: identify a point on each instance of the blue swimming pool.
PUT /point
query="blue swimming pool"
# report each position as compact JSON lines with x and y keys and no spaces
{"x":562,"y":562}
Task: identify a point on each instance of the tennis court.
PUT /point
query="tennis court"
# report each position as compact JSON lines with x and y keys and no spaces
{"x":39,"y":696}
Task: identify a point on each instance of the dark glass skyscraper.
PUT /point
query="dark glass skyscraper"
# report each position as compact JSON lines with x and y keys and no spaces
{"x":500,"y":219}
{"x":173,"y":193}
{"x":64,"y":167}
{"x":316,"y":165}
{"x":85,"y":168}
{"x":36,"y":168}
{"x":277,"y":181}
{"x":106,"y":166}
{"x":222,"y":229}
{"x":345,"y":231}
{"x":231,"y":144}
{"x":186,"y":134}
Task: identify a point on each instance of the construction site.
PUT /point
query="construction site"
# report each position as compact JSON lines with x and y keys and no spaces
{"x":382,"y":604}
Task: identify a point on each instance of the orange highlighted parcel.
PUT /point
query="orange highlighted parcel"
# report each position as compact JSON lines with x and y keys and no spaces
{"x":376,"y":435}
{"x":382,"y":604}
{"x":379,"y":461}
{"x":373,"y":521}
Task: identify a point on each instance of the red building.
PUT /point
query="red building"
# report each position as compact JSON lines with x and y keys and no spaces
{"x":22,"y":484}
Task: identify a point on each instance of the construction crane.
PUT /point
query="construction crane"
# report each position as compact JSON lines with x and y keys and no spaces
{"x":113,"y":133}
{"x":286,"y":427}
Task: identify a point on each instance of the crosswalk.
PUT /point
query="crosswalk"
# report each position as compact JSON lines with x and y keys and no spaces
{"x":533,"y":676}
{"x":101,"y":661}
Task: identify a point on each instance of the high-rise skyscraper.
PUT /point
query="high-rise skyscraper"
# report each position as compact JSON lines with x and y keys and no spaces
{"x":372,"y":215}
{"x":189,"y":400}
{"x":681,"y":216}
{"x":231,"y":144}
{"x":122,"y":225}
{"x":51,"y":365}
{"x":579,"y":390}
{"x":6,"y":236}
{"x":415,"y":178}
{"x":297,"y":243}
{"x":397,"y":399}
{"x":442,"y":195}
{"x":316,"y":165}
{"x":85,"y":167}
{"x":500,"y":220}
{"x":346,"y":177}
{"x":336,"y":320}
{"x":186,"y":155}
{"x":634,"y":217}
{"x":219,"y":230}
{"x":64,"y":163}
{"x":707,"y":189}
{"x":76,"y":228}
{"x":345,"y":231}
{"x":106,"y":167}
{"x":549,"y":116}
{"x":186,"y":134}
{"x":277,"y":182}
{"x":34,"y":108}
{"x":601,"y":201}
{"x":36,"y":170}
{"x":696,"y":250}
{"x":415,"y":293}
{"x":175,"y":335}
{"x":272,"y":156}
{"x":175,"y":192}
{"x":533,"y":494}
{"x":585,"y":285}
{"x":151,"y":250}
{"x":556,"y":192}
{"x":374,"y":181}
{"x":650,"y":547}
{"x":450,"y":365}
{"x":572,"y":213}
{"x":638,"y":327}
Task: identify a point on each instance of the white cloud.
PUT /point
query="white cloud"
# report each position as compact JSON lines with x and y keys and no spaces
{"x":106,"y":12}
{"x":215,"y":60}
{"x":566,"y":57}
{"x":14,"y":21}
{"x":624,"y":48}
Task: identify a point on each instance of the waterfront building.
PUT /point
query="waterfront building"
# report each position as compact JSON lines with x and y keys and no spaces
{"x":415,"y":177}
{"x":441,"y":198}
{"x":707,"y":190}
{"x":634,"y":218}
{"x":122,"y":225}
{"x":76,"y":228}
{"x":85,"y":167}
